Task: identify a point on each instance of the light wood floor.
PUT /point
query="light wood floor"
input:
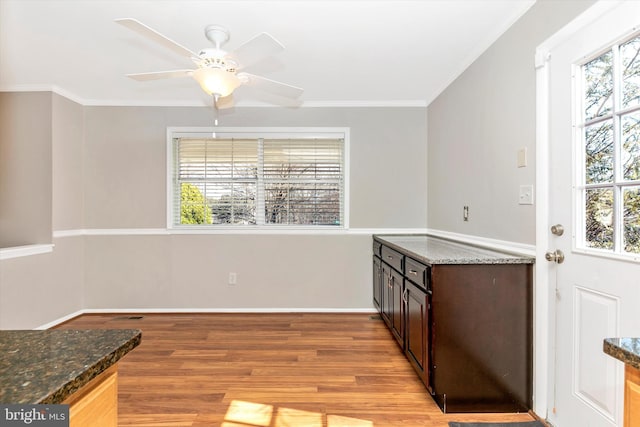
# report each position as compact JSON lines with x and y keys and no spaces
{"x":270,"y":370}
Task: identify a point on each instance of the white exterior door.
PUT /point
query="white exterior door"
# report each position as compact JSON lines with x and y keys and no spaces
{"x":591,"y":295}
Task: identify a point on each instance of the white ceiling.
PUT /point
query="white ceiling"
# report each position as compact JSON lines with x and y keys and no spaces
{"x":361,"y":52}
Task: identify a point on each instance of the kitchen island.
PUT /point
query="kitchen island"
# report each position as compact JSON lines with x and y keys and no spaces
{"x":627,"y":350}
{"x":75,"y":367}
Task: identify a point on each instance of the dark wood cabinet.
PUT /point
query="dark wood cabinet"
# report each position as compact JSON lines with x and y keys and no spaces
{"x":482,"y":321}
{"x":377,"y":283}
{"x":391,"y":304}
{"x":466,"y":328}
{"x":404,"y":305}
{"x":417,"y":329}
{"x":397,"y":303}
{"x":386,"y":299}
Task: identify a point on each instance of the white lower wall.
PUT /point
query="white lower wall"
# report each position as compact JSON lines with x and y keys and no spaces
{"x":37,"y":289}
{"x":192,"y":271}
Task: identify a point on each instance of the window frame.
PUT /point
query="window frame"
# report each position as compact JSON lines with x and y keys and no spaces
{"x":618,"y":183}
{"x":255,"y":132}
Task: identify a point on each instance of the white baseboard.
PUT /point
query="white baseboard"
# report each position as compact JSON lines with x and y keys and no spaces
{"x":227,"y":310}
{"x":60,"y":320}
{"x":26,"y":250}
{"x":201,"y":310}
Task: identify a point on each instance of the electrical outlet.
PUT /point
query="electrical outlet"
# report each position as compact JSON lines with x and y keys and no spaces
{"x":526,"y":195}
{"x":465,"y":213}
{"x":233,"y":278}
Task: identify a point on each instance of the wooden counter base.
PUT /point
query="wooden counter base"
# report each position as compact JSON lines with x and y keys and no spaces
{"x":631,"y":397}
{"x":96,"y":404}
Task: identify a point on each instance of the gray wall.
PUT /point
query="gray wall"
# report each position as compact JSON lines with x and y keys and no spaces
{"x":126,"y":167}
{"x":25,"y":168}
{"x":125,"y":188}
{"x":478,"y":124}
{"x":37,"y":289}
{"x":105,"y":172}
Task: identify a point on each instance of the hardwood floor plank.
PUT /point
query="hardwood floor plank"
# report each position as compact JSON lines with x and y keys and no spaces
{"x":269,"y":370}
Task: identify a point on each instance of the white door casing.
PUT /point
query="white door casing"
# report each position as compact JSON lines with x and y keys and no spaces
{"x":588,"y":297}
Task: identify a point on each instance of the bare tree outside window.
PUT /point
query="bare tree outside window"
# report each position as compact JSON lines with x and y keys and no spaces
{"x":303,"y":182}
{"x":612,"y":149}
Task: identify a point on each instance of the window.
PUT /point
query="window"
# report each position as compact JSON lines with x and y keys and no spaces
{"x":609,"y":196}
{"x":258,"y":178}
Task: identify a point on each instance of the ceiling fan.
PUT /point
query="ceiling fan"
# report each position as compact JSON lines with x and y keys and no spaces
{"x":218,"y":72}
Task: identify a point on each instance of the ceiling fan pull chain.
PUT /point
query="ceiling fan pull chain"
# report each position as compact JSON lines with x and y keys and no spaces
{"x":215,"y":109}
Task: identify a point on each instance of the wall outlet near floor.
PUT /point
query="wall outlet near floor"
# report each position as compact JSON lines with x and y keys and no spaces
{"x":465,"y":213}
{"x":233,"y":278}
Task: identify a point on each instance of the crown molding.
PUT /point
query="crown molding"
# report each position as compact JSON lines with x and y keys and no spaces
{"x":411,"y":103}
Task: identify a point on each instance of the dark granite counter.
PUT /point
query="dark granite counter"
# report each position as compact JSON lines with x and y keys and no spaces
{"x":434,"y":250}
{"x":48,"y":366}
{"x":626,"y":350}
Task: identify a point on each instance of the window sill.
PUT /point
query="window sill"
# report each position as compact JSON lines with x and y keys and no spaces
{"x":27,"y":250}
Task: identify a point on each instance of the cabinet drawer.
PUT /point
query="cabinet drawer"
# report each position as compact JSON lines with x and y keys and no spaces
{"x":416,"y":272}
{"x":376,"y":248}
{"x":393,"y":258}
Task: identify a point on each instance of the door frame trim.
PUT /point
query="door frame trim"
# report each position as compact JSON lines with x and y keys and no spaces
{"x":544,"y":306}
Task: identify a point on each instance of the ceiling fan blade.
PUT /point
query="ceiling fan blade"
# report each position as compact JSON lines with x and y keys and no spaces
{"x":150,"y":33}
{"x":256,"y":49}
{"x":270,"y":86}
{"x":156,"y":75}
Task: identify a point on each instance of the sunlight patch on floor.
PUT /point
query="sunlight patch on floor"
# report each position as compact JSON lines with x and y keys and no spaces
{"x":250,"y":414}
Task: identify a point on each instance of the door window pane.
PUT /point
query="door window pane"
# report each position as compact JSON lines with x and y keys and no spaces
{"x":630,"y":57}
{"x":631,"y":146}
{"x":599,"y":152}
{"x":598,"y":79}
{"x":610,"y":170}
{"x":631,"y":220}
{"x":599,"y":218}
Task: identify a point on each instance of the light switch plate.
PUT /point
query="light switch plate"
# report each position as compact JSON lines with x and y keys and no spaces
{"x":522,"y":157}
{"x":526,"y":195}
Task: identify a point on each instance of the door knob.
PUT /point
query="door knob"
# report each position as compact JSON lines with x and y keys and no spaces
{"x":557,"y":229}
{"x":556,"y":256}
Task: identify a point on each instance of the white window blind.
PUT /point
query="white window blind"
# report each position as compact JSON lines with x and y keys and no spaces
{"x":258,"y":181}
{"x":216,"y":181}
{"x":303,"y":181}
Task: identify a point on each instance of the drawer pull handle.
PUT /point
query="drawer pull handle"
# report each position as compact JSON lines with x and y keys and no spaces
{"x":389,"y":257}
{"x":414,"y":272}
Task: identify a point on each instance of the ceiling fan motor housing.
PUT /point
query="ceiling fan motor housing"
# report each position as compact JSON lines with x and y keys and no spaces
{"x":215,"y":58}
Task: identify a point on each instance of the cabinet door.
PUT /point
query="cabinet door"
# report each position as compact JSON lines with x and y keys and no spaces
{"x":387,"y":294}
{"x":377,"y":283}
{"x":417,"y":329}
{"x":397,"y":306}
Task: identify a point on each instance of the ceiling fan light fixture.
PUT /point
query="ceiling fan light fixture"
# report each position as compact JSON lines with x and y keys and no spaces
{"x":216,"y":81}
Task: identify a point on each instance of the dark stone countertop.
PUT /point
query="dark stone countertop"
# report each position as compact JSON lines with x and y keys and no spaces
{"x":626,"y":350}
{"x":48,"y":366}
{"x":435,"y":250}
